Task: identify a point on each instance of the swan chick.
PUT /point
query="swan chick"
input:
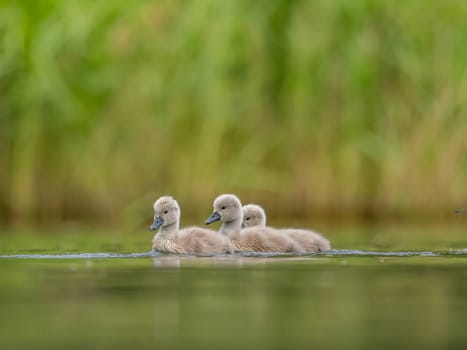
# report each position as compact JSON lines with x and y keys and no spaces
{"x":254,"y":215}
{"x":190,"y":240}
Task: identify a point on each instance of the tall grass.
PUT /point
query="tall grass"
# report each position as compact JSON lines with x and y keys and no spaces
{"x":324,"y":107}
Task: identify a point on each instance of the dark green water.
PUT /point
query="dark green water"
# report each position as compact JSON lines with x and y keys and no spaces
{"x":347,"y":299}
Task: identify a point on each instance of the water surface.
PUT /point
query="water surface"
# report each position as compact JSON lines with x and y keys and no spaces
{"x":101,"y":290}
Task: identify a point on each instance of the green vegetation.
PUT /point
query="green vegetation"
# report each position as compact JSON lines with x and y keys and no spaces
{"x":326,"y":107}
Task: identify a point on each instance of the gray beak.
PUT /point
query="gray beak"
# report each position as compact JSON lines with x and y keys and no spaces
{"x":460,"y":210}
{"x":158,"y":221}
{"x":214,"y":217}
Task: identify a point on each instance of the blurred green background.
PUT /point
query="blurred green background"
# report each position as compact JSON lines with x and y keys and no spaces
{"x":325,"y":108}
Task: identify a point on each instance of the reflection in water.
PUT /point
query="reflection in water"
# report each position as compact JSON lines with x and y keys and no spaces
{"x":166,"y":261}
{"x":177,"y":261}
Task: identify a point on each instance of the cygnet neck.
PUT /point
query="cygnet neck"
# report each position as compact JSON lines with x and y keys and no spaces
{"x":168,"y":231}
{"x":232,"y":228}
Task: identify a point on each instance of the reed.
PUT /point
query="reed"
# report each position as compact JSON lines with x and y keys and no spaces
{"x":328,"y":107}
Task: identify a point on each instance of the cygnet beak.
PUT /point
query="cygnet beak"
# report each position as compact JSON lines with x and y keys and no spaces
{"x":214,"y":217}
{"x":460,"y":210}
{"x":158,"y":221}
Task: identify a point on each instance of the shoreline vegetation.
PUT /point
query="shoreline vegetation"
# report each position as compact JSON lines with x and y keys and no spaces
{"x":324,"y":108}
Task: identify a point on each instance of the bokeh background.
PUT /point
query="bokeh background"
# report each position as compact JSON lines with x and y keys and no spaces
{"x":324,"y":109}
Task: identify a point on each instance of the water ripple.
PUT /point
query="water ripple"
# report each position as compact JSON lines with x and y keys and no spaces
{"x":334,"y":252}
{"x":384,"y":253}
{"x":81,"y":256}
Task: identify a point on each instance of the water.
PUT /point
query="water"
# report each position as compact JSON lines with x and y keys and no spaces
{"x":95,"y":290}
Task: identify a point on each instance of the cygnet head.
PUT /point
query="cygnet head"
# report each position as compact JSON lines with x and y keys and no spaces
{"x":253,"y":215}
{"x":166,"y":212}
{"x":227,"y":208}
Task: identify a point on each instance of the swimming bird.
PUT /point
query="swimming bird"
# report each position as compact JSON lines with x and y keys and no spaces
{"x":190,"y":240}
{"x":254,"y":215}
{"x":228,"y":209}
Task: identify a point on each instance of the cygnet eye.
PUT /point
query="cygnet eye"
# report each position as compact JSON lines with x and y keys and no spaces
{"x":247,"y":219}
{"x":166,"y":211}
{"x":223,"y":207}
